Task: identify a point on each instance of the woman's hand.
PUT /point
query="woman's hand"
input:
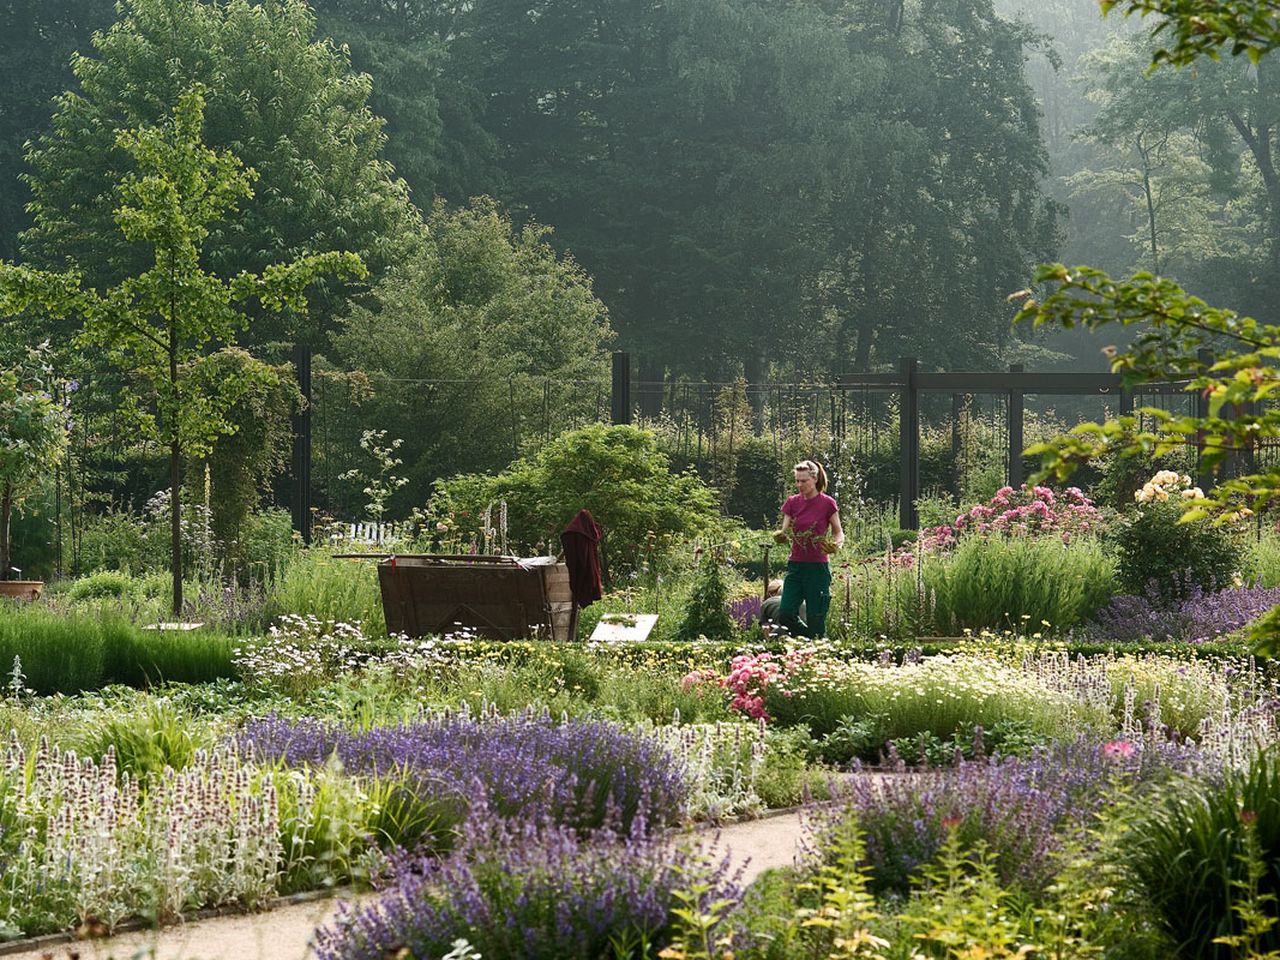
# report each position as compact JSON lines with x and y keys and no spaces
{"x":780,"y":536}
{"x":828,"y":546}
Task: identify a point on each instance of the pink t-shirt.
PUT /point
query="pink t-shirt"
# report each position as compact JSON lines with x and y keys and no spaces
{"x":809,"y":521}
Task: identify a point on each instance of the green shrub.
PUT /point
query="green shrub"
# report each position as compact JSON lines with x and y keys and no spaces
{"x":617,"y":472}
{"x":758,"y":484}
{"x":705,"y":614}
{"x":996,"y":582}
{"x":101,"y":585}
{"x":119,"y":540}
{"x":1152,"y":546}
{"x":267,"y":543}
{"x":1186,"y":855}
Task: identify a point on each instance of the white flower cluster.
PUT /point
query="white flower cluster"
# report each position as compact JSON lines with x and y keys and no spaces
{"x":300,"y":653}
{"x":723,"y":761}
{"x":1167,"y":484}
{"x":99,"y":848}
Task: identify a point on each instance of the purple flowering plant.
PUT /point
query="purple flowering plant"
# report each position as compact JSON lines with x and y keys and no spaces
{"x":745,"y":611}
{"x":578,"y":773}
{"x":1193,"y":615}
{"x":531,"y":888}
{"x":1021,"y":807}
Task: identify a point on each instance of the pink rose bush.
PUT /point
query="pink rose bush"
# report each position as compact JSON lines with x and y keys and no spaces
{"x":1029,"y":511}
{"x":750,"y":677}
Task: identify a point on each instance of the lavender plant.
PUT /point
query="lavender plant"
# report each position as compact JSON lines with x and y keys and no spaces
{"x":1194,"y":616}
{"x":1019,"y":806}
{"x":577,"y":772}
{"x":530,"y":888}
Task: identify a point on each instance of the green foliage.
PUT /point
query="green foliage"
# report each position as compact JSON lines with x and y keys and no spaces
{"x":963,"y":910}
{"x":1153,"y":547}
{"x":1176,"y":327}
{"x":144,"y":658}
{"x":145,"y":740}
{"x":293,"y":111}
{"x":1188,"y":854}
{"x":772,"y":220}
{"x":757,"y":494}
{"x":705,"y":613}
{"x":616,"y":472}
{"x":484,"y":305}
{"x":998,"y":582}
{"x":380,"y":483}
{"x":316,"y":584}
{"x":255,"y":446}
{"x":67,"y":652}
{"x":60,"y":654}
{"x":843,"y":925}
{"x":1202,"y":27}
{"x":158,"y":323}
{"x":33,"y":438}
{"x":101,"y":585}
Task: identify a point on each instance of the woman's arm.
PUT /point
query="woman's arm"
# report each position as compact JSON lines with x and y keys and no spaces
{"x":837,"y":531}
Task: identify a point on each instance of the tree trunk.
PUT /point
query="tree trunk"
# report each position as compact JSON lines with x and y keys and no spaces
{"x":175,"y":481}
{"x":1151,"y":206}
{"x":753,"y":368}
{"x":6,"y":514}
{"x":862,"y":349}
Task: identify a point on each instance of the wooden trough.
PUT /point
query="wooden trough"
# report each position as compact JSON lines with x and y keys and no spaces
{"x":500,"y":598}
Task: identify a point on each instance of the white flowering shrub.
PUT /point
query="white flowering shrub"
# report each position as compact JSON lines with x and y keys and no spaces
{"x":84,"y":844}
{"x":1160,"y":555}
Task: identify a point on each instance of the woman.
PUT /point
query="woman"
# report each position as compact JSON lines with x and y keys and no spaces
{"x":811,"y":521}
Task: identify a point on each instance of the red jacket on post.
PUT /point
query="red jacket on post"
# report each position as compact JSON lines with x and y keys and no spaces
{"x":581,"y":542}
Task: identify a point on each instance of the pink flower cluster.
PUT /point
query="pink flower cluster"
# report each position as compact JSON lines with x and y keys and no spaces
{"x":749,"y":676}
{"x":1028,"y":511}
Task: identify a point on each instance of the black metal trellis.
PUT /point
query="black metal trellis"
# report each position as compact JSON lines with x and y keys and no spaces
{"x":909,"y":383}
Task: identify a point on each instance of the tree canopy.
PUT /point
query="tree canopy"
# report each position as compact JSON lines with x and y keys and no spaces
{"x":157,"y":323}
{"x":285,"y":103}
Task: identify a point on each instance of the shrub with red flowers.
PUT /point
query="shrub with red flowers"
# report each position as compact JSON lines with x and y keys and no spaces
{"x":750,"y":676}
{"x":1029,"y":511}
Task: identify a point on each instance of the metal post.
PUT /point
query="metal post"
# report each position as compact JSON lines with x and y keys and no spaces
{"x":301,"y":466}
{"x":909,"y":446}
{"x":957,"y":407}
{"x":620,"y":401}
{"x":1015,"y":432}
{"x":1204,"y":479}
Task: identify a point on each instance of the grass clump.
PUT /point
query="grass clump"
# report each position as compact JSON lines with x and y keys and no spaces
{"x":995,"y":582}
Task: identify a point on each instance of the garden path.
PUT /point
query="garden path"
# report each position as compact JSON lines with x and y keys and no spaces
{"x":285,"y":932}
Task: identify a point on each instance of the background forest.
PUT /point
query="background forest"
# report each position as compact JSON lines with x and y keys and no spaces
{"x":726,"y":189}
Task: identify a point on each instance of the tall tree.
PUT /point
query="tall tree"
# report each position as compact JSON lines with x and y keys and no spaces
{"x":160,"y":322}
{"x":419,"y":61}
{"x":755,"y":151}
{"x":37,"y":39}
{"x":450,"y":339}
{"x":290,"y":107}
{"x":946,"y":208}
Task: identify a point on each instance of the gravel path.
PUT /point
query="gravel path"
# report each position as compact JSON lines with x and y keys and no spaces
{"x":285,"y":932}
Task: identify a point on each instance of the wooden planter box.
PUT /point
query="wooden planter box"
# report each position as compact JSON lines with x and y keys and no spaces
{"x":494,"y":597}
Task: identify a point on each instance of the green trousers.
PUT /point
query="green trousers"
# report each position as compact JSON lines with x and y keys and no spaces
{"x":811,"y":583}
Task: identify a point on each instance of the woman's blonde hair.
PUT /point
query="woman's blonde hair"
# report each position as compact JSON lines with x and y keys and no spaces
{"x":815,"y":468}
